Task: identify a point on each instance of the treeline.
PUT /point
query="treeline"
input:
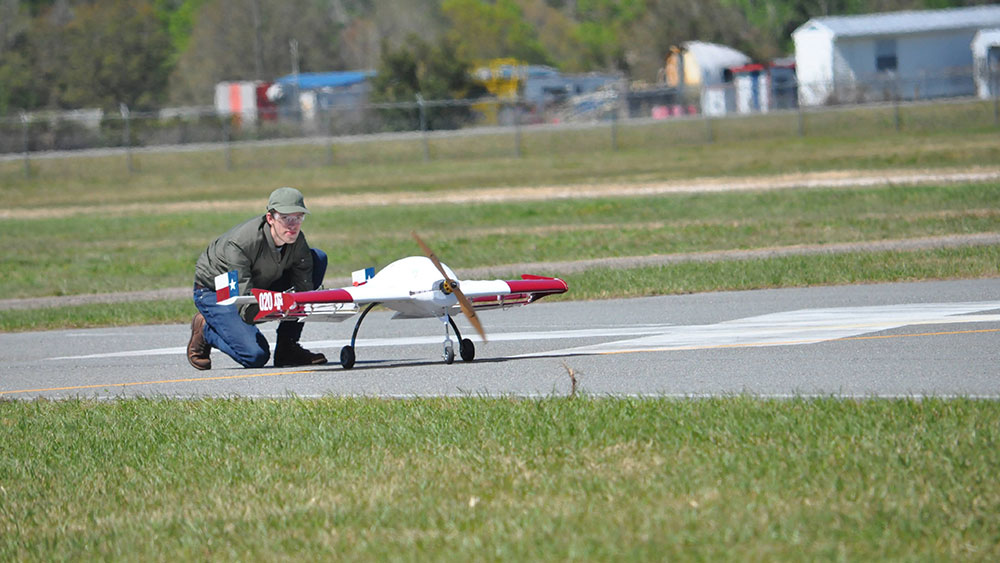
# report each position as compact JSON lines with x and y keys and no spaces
{"x":66,"y":54}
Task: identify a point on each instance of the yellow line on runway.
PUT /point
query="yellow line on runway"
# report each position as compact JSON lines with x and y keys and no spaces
{"x":921,"y":334}
{"x":678,"y":348}
{"x":160,"y":382}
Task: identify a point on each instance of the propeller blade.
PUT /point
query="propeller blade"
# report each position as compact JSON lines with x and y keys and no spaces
{"x":430,"y":254}
{"x":463,"y":301}
{"x":470,"y":312}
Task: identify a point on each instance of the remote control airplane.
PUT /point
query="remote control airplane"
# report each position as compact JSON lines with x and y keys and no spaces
{"x":414,"y":287}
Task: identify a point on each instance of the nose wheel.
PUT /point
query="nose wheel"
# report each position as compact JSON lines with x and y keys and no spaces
{"x":347,"y":357}
{"x":466,"y":349}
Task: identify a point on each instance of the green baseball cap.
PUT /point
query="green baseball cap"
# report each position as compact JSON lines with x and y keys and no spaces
{"x":287,"y":200}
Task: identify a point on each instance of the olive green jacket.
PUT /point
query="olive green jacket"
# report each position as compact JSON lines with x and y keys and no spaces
{"x":249,"y":249}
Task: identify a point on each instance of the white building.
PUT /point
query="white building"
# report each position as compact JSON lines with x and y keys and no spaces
{"x":697,"y":66}
{"x":911,"y":54}
{"x":986,"y":62}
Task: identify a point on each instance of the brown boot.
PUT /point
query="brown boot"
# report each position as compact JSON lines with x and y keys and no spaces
{"x":198,"y":350}
{"x":292,"y":354}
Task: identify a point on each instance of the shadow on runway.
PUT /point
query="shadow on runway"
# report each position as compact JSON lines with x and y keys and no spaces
{"x":371,"y":365}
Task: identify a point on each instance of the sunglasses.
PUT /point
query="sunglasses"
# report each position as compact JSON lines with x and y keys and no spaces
{"x":290,"y":220}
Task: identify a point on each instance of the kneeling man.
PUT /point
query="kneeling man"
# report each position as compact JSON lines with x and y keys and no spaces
{"x":269,"y":252}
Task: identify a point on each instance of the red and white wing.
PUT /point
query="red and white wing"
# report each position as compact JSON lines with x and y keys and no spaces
{"x":412,"y":286}
{"x":339,"y":304}
{"x":324,"y":304}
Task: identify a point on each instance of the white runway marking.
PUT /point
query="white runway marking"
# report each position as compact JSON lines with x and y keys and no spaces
{"x":805,"y":326}
{"x":637,"y":330}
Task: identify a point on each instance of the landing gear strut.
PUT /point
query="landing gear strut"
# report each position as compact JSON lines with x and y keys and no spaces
{"x":347,"y":352}
{"x":466,"y":349}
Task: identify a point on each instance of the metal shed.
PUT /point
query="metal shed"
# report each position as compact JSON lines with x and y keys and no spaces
{"x":986,"y":61}
{"x":697,"y":66}
{"x":892,"y":55}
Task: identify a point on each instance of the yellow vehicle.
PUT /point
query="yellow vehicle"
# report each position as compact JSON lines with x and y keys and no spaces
{"x":502,"y":78}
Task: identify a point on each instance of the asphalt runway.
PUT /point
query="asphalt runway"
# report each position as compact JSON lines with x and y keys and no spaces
{"x":921,"y":339}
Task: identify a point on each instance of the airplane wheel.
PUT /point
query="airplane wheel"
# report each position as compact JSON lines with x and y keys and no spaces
{"x":347,"y":357}
{"x":467,"y":349}
{"x":449,"y":354}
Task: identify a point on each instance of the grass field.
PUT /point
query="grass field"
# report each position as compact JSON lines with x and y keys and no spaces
{"x":500,"y":479}
{"x":488,"y":478}
{"x":93,"y":252}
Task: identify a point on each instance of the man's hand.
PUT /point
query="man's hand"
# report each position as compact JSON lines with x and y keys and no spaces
{"x":248,"y":312}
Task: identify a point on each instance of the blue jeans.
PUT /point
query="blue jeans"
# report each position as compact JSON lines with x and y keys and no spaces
{"x":225,"y":329}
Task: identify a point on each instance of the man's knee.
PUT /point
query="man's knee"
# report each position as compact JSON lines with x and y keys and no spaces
{"x":258,"y":361}
{"x":255,"y":357}
{"x":320,"y":262}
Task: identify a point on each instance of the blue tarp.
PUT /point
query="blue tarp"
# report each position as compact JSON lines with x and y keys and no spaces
{"x":316,"y":80}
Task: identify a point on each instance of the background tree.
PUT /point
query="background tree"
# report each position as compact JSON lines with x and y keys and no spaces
{"x":118,"y":53}
{"x":482,"y":30}
{"x":672,"y":22}
{"x":92,"y":54}
{"x":436,"y":72}
{"x":557,"y":34}
{"x":250,"y":40}
{"x":81,"y":53}
{"x":16,"y":82}
{"x":14,"y":20}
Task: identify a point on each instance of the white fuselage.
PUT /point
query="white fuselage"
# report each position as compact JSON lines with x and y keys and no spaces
{"x":410,"y":286}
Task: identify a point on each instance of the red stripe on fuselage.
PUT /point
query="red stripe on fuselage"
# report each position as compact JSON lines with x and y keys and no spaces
{"x":537,"y":284}
{"x":324,"y":296}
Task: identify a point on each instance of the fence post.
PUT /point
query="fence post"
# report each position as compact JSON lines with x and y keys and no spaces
{"x":126,"y":136}
{"x":895,"y":103}
{"x":614,"y":131}
{"x":423,"y":127}
{"x":329,"y":134}
{"x":517,"y":128}
{"x":996,"y":96}
{"x":25,"y":144}
{"x":227,"y":141}
{"x":620,"y":110}
{"x":895,"y":115}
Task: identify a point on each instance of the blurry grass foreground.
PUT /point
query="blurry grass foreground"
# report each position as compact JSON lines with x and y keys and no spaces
{"x":494,"y":478}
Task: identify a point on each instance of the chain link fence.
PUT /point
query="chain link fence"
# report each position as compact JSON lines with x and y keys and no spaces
{"x":614,"y":118}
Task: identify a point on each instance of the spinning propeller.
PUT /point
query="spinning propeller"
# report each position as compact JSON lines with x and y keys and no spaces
{"x":450,"y":286}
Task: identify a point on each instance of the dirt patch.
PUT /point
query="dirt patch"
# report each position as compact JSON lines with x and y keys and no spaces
{"x":828,"y":179}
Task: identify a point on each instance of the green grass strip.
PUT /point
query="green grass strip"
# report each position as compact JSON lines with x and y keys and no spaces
{"x":108,"y":253}
{"x":500,"y":479}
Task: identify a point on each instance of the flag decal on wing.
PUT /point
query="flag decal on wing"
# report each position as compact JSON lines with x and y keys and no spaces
{"x":226,"y":286}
